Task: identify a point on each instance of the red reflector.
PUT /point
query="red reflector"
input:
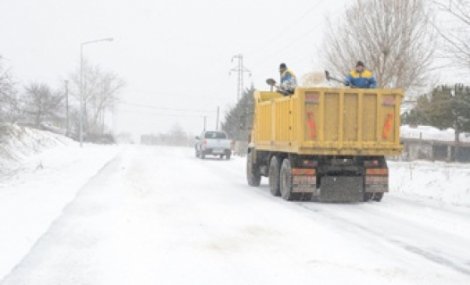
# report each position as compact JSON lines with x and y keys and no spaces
{"x":312,"y":126}
{"x":388,"y":125}
{"x":377,"y":171}
{"x":303,"y":171}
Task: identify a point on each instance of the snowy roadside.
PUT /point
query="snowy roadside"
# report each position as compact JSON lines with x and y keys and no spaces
{"x":34,"y":194}
{"x":439,"y":181}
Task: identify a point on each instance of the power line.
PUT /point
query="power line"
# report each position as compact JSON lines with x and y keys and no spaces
{"x":164,"y":109}
{"x":270,"y":42}
{"x":149,"y":112}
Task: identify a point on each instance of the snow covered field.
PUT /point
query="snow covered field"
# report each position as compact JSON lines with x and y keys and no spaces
{"x":158,"y":215}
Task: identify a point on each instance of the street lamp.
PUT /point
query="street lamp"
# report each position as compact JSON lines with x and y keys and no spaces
{"x":82,"y":103}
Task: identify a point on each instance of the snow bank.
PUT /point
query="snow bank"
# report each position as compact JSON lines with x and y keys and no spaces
{"x":431,"y":133}
{"x":18,"y":144}
{"x":33,"y":195}
{"x":444,"y":182}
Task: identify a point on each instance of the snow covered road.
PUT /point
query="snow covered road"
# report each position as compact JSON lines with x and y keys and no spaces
{"x":158,"y":215}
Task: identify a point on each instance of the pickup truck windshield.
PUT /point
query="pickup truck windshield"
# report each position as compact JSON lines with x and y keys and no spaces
{"x":215,"y":135}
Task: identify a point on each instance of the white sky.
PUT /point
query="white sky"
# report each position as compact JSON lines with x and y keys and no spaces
{"x":172,"y":54}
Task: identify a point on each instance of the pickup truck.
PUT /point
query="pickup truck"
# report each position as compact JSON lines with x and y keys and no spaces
{"x":213,"y":143}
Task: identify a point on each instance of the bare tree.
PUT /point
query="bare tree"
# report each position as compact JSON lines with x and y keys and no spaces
{"x":8,"y":96}
{"x":100,"y":93}
{"x":42,"y":104}
{"x":457,"y":34}
{"x":394,"y":38}
{"x":313,"y":79}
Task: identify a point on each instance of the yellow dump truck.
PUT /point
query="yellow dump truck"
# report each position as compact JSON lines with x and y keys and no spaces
{"x":325,"y":144}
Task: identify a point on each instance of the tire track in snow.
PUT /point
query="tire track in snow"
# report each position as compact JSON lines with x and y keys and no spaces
{"x":411,"y":248}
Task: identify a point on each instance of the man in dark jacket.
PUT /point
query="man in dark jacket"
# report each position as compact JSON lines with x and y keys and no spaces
{"x":360,"y":77}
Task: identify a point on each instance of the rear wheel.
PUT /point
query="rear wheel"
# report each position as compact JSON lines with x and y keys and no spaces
{"x":378,"y":197}
{"x":274,"y":176}
{"x":221,"y":156}
{"x":252,"y":172}
{"x":286,"y":180}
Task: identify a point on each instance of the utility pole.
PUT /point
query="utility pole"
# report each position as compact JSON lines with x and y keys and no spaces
{"x":240,"y":69}
{"x":67,"y":129}
{"x":205,"y":123}
{"x":217,"y":119}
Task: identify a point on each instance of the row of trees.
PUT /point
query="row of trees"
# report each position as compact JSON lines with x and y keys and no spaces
{"x":38,"y":105}
{"x":176,"y":136}
{"x":446,"y":107}
{"x":239,"y":119}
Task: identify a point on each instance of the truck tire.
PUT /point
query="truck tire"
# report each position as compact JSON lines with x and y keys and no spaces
{"x":286,"y":180}
{"x":367,"y":197}
{"x":378,"y":197}
{"x":252,"y":173}
{"x":274,"y":176}
{"x":227,"y":155}
{"x":202,"y":155}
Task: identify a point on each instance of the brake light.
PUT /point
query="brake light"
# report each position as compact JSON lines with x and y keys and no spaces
{"x":309,"y":163}
{"x":371,"y":163}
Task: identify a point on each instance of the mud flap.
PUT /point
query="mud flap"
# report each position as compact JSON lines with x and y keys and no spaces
{"x":340,"y":189}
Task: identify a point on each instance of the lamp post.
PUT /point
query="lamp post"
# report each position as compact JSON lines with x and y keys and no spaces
{"x":82,"y":99}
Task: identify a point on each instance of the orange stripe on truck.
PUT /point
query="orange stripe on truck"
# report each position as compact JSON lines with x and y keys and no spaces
{"x":311,"y":125}
{"x":388,"y":126}
{"x":377,"y":171}
{"x":303,"y":171}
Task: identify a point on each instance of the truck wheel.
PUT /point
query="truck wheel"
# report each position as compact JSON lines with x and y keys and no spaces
{"x":221,"y":156}
{"x":252,"y":173}
{"x":378,"y":197}
{"x":286,"y":180}
{"x":274,"y":179}
{"x":227,"y":156}
{"x":202,"y":155}
{"x":367,"y":197}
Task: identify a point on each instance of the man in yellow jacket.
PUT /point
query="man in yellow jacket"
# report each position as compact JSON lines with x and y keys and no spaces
{"x":288,"y":80}
{"x":360,"y":77}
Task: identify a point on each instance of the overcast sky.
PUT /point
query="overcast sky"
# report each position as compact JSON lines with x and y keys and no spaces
{"x":174,"y":55}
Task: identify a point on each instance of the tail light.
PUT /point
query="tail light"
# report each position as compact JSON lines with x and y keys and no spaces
{"x":309,"y":163}
{"x":371,"y":163}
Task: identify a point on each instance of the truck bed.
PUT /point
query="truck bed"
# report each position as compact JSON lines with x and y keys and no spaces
{"x":329,"y":121}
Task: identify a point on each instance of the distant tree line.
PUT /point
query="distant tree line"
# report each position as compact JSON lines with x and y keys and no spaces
{"x":176,"y":136}
{"x":38,"y":105}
